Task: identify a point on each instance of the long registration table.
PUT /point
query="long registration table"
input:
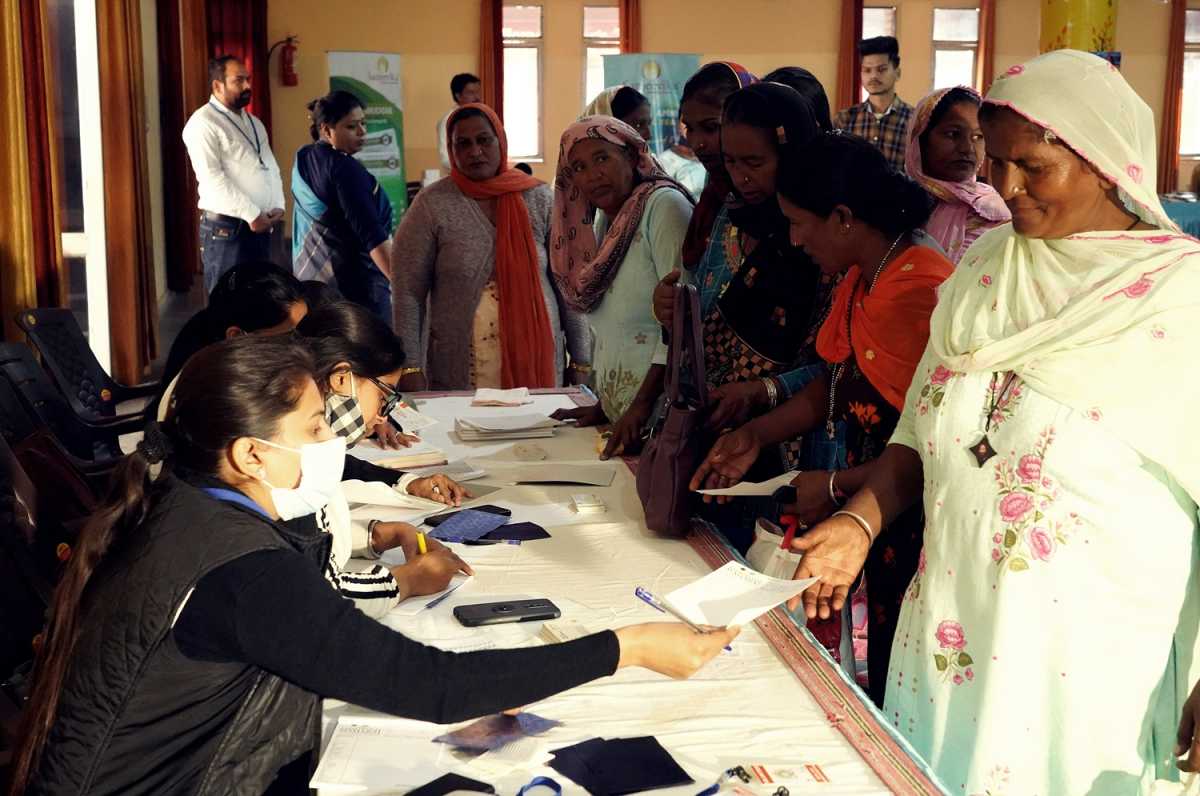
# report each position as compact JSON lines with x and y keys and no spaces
{"x":775,"y":697}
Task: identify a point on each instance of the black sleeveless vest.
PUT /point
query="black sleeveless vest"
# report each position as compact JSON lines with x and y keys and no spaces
{"x":138,"y":717}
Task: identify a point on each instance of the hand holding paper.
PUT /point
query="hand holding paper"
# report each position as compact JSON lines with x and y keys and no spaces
{"x":733,"y":595}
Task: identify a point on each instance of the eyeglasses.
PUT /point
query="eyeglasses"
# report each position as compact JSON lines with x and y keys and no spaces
{"x":391,"y":396}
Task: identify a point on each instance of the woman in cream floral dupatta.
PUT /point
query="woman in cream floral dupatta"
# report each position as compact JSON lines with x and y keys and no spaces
{"x":1048,"y":642}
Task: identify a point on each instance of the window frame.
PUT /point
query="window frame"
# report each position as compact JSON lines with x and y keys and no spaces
{"x":530,"y":43}
{"x":1189,"y":48}
{"x":938,"y":45}
{"x":595,"y":42}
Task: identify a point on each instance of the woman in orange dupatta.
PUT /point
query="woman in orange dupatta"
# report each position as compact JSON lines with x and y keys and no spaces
{"x":473,"y":249}
{"x":857,"y":218}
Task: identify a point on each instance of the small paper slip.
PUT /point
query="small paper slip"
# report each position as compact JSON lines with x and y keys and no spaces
{"x":733,"y":595}
{"x":588,"y":504}
{"x":411,"y":420}
{"x":753,"y":488}
{"x":467,"y":526}
{"x":379,"y":754}
{"x":419,"y":454}
{"x":377,"y":493}
{"x":486,"y":396}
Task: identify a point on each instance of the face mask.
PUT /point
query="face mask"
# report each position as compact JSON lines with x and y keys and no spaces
{"x":345,"y":415}
{"x":321,"y":465}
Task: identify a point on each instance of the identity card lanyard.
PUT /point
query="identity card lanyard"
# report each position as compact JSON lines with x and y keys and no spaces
{"x":255,"y":143}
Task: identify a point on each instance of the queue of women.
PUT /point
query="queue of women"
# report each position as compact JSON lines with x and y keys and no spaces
{"x":985,"y":390}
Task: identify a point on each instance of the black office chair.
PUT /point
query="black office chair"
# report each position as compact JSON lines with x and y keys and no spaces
{"x":88,"y":389}
{"x":93,"y":443}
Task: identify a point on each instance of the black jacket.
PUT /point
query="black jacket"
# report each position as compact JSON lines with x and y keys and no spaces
{"x":138,"y":717}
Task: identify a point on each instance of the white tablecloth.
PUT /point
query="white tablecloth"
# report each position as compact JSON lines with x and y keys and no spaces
{"x":745,"y":704}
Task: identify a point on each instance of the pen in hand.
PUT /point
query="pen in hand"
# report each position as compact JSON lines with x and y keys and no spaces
{"x":648,"y":598}
{"x":421,"y":546}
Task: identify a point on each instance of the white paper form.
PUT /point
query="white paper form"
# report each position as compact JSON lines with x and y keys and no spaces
{"x":415,"y":605}
{"x":733,"y":595}
{"x":411,"y":420}
{"x":754,"y":488}
{"x":380,"y":753}
{"x":377,"y":493}
{"x":522,"y":422}
{"x":369,"y":451}
{"x":489,"y":396}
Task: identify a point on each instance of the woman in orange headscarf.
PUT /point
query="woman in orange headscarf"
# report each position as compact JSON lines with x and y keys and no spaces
{"x":471,"y":251}
{"x":853,"y":215}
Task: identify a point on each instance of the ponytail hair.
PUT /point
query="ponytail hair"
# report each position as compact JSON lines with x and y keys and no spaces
{"x":842,"y":169}
{"x":330,"y":110}
{"x":237,"y":388}
{"x":346,"y":332}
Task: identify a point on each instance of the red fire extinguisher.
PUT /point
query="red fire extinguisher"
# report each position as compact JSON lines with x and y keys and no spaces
{"x":287,"y":60}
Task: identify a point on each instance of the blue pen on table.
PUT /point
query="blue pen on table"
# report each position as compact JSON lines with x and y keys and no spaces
{"x":652,"y":601}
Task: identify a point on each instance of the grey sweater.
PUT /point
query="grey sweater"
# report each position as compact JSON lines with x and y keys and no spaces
{"x":443,"y":257}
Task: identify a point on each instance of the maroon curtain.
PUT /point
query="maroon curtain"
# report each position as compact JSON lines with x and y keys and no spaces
{"x":491,"y":54}
{"x":849,"y":79}
{"x":631,"y":26}
{"x":1172,"y":112}
{"x":985,"y":62}
{"x":239,"y":27}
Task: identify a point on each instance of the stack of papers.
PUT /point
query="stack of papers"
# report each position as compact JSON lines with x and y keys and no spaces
{"x":502,"y":427}
{"x":486,"y":396}
{"x":380,"y":754}
{"x":733,"y":595}
{"x":419,"y":454}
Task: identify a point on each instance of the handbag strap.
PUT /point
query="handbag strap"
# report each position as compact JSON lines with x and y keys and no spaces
{"x":687,"y":337}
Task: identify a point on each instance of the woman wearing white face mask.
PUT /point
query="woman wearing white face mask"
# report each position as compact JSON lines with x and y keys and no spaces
{"x":358,"y":360}
{"x":192,"y":637}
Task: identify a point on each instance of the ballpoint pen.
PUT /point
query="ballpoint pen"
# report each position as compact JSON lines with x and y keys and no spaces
{"x":653,"y":602}
{"x":421,"y":546}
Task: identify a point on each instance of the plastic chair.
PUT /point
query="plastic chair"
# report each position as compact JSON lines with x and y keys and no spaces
{"x":89,"y":390}
{"x":92,"y":443}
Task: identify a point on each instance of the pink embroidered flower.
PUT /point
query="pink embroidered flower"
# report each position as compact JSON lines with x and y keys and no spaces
{"x":921,"y":562}
{"x":1029,"y":469}
{"x":970,"y":673}
{"x":958,"y":679}
{"x":1094,"y":414}
{"x":941,"y":374}
{"x":1041,"y":544}
{"x":997,"y":538}
{"x":950,"y":635}
{"x":1013,"y":71}
{"x":985,"y":280}
{"x":1135,"y":172}
{"x":1157,"y":332}
{"x":995,"y":553}
{"x":1138,"y":288}
{"x":1014,"y":506}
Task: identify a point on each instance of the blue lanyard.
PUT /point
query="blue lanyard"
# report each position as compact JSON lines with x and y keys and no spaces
{"x":257,"y":146}
{"x":541,"y":782}
{"x":230,"y":496}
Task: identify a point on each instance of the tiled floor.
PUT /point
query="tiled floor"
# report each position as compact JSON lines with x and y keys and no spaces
{"x":174,"y":312}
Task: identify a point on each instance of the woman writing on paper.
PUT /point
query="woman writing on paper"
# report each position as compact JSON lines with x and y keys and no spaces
{"x":226,"y":636}
{"x":472,"y":248}
{"x":342,"y":224}
{"x":357,"y":361}
{"x":1043,"y":434}
{"x":619,"y":223}
{"x":855,"y":217}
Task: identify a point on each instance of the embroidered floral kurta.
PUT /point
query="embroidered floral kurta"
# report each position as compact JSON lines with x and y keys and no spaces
{"x":1044,"y":645}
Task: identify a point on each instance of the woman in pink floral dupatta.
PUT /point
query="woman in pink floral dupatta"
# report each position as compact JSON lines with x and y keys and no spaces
{"x":945,"y":149}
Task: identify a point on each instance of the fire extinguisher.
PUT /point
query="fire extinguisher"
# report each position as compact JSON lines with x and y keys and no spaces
{"x":287,"y":60}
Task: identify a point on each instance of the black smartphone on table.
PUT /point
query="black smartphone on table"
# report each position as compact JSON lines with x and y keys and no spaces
{"x":480,"y":614}
{"x":438,"y":519}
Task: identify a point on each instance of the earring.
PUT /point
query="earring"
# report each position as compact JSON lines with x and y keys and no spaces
{"x":845,"y":229}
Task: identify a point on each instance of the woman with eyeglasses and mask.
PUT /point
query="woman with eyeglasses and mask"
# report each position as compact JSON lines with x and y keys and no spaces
{"x":357,"y":361}
{"x":192,"y":636}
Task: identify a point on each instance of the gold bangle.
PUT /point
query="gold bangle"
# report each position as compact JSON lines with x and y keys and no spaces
{"x":409,"y":371}
{"x":578,"y":368}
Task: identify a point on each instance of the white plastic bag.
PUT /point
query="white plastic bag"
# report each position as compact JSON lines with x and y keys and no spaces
{"x":765,"y":553}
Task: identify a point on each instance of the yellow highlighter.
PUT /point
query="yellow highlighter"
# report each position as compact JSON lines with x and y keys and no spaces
{"x":421,"y":543}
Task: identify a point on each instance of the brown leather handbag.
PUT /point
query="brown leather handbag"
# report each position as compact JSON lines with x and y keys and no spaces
{"x":674,"y":449}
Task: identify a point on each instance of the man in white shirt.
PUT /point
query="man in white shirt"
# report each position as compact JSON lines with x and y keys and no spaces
{"x":465,"y":88}
{"x":241,"y":193}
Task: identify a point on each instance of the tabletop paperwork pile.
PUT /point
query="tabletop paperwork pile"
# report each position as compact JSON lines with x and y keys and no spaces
{"x":695,"y":732}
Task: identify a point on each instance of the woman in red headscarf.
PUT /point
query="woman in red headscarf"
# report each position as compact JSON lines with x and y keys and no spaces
{"x":471,"y":252}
